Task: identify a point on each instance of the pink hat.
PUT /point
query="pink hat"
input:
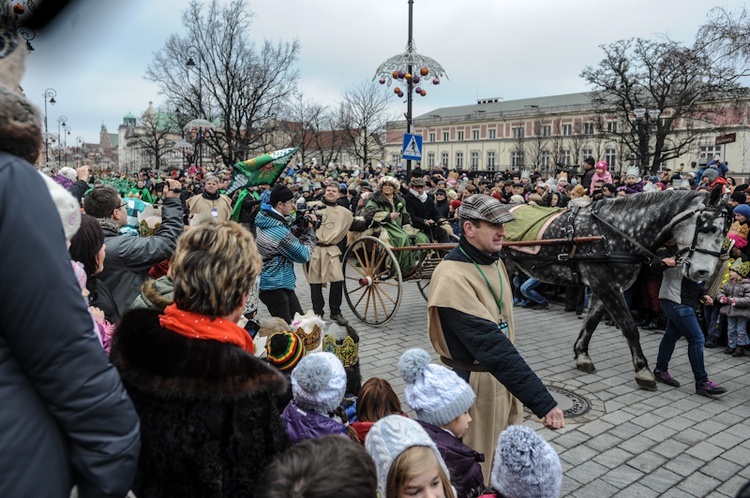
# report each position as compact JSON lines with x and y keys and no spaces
{"x":601,"y":165}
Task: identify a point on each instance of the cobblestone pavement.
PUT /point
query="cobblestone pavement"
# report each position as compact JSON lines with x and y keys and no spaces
{"x":631,"y":443}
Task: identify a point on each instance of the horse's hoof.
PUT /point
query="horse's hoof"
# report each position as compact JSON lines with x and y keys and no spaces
{"x":585,"y":365}
{"x":646,"y":379}
{"x":648,"y":385}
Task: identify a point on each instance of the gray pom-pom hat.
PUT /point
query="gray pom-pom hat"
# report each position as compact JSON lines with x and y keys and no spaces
{"x":319,"y":382}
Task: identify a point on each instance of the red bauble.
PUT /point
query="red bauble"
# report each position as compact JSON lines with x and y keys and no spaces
{"x":18,"y":9}
{"x":397,"y":90}
{"x":424,"y":71}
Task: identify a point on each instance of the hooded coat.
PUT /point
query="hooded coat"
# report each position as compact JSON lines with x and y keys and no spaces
{"x":209,"y":421}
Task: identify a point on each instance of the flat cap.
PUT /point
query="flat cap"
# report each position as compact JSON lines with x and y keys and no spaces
{"x":486,"y":208}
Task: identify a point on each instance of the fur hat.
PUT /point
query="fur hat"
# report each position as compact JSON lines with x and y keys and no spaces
{"x":280,"y":193}
{"x":525,"y":465}
{"x":319,"y":382}
{"x":284,"y":350}
{"x":67,"y":207}
{"x":388,"y":179}
{"x":438,"y":395}
{"x":389,"y":437}
{"x":517,"y":199}
{"x":711,"y":173}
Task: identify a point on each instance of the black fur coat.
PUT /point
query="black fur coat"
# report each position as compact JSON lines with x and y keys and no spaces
{"x":209,"y":422}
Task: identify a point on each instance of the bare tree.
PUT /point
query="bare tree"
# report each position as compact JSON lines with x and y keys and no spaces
{"x":241,"y":88}
{"x":664,"y":75}
{"x":363,"y":113}
{"x":726,"y":38}
{"x":303,"y":121}
{"x":576,"y":141}
{"x":557,"y":144}
{"x":155,"y":135}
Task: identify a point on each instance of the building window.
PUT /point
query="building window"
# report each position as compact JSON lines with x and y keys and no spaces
{"x":490,"y":161}
{"x":709,"y":151}
{"x":567,"y":130}
{"x":546,"y":130}
{"x":396,"y":158}
{"x":492,"y":134}
{"x":460,"y":136}
{"x":567,"y":159}
{"x":459,"y":160}
{"x":431,"y":159}
{"x":611,"y":126}
{"x":586,"y":153}
{"x":432,"y":136}
{"x":517,"y":132}
{"x":475,"y":134}
{"x":474,"y":160}
{"x":544,"y":160}
{"x":588,"y":128}
{"x":446,"y":136}
{"x":516,"y":159}
{"x":444,"y":159}
{"x":610,"y":155}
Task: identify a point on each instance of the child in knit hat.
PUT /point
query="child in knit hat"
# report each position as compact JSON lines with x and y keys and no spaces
{"x":525,"y":466}
{"x":407,"y":460}
{"x":442,"y":400}
{"x":318,"y":386}
{"x":376,"y":400}
{"x":740,"y":227}
{"x":734,"y":297}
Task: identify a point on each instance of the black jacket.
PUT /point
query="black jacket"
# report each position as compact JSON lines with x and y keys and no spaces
{"x":209,"y":421}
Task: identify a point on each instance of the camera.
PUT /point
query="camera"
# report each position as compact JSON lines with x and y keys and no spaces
{"x":303,"y":218}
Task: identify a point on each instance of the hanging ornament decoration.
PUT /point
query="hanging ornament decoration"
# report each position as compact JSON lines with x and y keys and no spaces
{"x":401,"y":68}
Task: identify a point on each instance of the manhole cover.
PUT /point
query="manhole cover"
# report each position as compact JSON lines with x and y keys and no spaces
{"x":572,"y":404}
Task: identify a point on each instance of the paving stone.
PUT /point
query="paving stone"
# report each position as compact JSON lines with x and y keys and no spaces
{"x":647,"y":461}
{"x":661,"y":480}
{"x":699,"y":484}
{"x":596,"y":489}
{"x":587,"y":471}
{"x":637,"y":490}
{"x":613,"y":458}
{"x":684,"y":464}
{"x":622,"y":476}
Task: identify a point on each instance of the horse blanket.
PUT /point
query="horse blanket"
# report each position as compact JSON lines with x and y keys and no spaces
{"x":530,"y":224}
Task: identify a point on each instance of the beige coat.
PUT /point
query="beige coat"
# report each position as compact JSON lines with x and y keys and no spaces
{"x":201,"y":207}
{"x":325,"y":263}
{"x":460,"y":286}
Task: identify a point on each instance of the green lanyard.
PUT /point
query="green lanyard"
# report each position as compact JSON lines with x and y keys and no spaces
{"x":499,"y":277}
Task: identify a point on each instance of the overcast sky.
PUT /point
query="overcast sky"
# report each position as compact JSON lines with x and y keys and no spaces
{"x":95,"y":56}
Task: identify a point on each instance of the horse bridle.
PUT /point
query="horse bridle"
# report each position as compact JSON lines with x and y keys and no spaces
{"x":701,"y":226}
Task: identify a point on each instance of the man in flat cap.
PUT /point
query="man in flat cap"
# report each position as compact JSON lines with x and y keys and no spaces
{"x":470,"y":321}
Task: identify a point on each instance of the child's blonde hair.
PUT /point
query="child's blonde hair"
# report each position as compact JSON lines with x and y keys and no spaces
{"x":412,"y":462}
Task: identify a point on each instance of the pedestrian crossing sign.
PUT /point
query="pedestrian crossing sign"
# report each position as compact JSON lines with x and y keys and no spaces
{"x":412,"y":147}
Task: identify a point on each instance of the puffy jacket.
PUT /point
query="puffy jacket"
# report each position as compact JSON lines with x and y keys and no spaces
{"x":462,"y":461}
{"x":740,"y":292}
{"x":129,"y":258}
{"x":65,"y":417}
{"x":304,"y":424}
{"x":280,"y":249}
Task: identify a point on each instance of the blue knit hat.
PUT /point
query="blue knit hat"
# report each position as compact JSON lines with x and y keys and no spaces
{"x":438,"y":395}
{"x":742,"y":209}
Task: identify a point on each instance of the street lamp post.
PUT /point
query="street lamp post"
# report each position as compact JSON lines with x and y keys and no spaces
{"x":66,"y":129}
{"x":61,"y":122}
{"x":198,"y":127}
{"x":645,"y":119}
{"x":49,"y":96}
{"x":402,"y":68}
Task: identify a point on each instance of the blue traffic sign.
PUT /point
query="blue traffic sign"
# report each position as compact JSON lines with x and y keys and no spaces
{"x":412,"y":147}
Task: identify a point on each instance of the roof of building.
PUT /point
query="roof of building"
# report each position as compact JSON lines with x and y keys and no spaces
{"x":568,"y":101}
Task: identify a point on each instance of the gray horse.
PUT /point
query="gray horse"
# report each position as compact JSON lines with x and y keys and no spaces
{"x":632,"y":228}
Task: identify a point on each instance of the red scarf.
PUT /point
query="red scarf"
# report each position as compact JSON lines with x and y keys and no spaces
{"x":198,"y":326}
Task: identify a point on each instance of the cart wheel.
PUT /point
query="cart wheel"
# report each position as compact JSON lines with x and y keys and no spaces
{"x":427,"y":266}
{"x":372,"y":280}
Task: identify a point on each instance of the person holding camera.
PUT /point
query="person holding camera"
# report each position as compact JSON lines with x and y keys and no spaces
{"x":281,"y":247}
{"x":324,"y":266}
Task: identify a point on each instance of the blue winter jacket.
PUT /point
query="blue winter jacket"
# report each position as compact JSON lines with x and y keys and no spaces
{"x":280,"y":249}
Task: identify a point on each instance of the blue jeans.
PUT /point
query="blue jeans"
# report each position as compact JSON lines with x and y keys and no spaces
{"x":737,"y":331}
{"x":527,"y":289}
{"x":713,"y":321}
{"x":681,"y":320}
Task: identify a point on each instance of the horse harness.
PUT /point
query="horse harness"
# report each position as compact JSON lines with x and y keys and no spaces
{"x":569,"y":254}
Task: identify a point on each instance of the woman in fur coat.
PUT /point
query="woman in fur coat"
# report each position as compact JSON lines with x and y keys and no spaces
{"x":209,"y":421}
